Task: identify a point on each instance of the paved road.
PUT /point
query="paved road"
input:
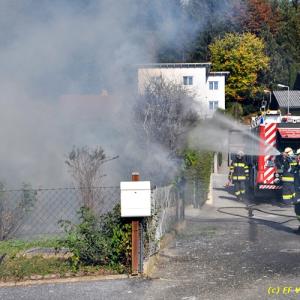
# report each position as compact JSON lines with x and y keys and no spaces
{"x":218,"y":256}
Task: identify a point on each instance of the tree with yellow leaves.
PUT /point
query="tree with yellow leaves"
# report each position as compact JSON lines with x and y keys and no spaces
{"x":243,"y":56}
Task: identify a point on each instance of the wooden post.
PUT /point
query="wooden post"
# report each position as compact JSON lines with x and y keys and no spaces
{"x":135,"y":237}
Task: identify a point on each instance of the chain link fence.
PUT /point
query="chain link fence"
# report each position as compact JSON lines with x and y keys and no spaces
{"x":167,"y":210}
{"x":35,"y":213}
{"x":195,"y":192}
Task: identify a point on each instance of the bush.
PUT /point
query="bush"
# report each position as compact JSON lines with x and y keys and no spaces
{"x":118,"y":230}
{"x":99,"y":241}
{"x":235,"y":109}
{"x":198,"y":167}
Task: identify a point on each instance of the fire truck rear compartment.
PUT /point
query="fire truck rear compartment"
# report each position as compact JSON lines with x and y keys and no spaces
{"x":288,"y":135}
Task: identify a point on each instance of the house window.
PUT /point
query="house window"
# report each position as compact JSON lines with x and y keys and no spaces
{"x":213,"y":85}
{"x":187,"y":80}
{"x":213,"y":105}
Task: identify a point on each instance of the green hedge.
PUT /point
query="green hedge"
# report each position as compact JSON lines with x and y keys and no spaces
{"x":198,"y":167}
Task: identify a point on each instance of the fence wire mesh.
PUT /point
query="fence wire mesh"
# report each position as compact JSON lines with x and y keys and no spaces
{"x":35,"y":213}
{"x":167,"y":210}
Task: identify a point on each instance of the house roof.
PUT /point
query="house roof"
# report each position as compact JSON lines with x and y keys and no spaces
{"x":176,"y":65}
{"x":283,"y":97}
{"x":220,"y":73}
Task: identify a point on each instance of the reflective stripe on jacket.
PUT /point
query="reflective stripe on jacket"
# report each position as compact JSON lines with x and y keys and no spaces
{"x":287,"y":179}
{"x":288,"y":196}
{"x":239,"y":169}
{"x":238,"y":177}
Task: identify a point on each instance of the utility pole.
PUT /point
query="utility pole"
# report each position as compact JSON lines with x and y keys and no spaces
{"x":135,"y":241}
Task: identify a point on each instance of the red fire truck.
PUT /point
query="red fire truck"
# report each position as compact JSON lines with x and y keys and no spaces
{"x":275,"y":132}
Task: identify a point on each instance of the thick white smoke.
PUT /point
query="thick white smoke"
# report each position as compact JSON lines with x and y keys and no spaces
{"x":224,"y":134}
{"x":52,"y":49}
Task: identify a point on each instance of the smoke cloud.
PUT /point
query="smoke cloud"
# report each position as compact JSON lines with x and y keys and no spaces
{"x":224,"y":134}
{"x":67,"y":78}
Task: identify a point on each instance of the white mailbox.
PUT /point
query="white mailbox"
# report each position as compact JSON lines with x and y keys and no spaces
{"x":135,"y":198}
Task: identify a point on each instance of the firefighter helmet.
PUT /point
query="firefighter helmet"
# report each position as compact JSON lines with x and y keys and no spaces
{"x":298,"y":151}
{"x":288,"y":150}
{"x":240,"y":153}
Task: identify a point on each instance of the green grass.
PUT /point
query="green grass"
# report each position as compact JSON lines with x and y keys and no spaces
{"x":18,"y":267}
{"x":12,"y":247}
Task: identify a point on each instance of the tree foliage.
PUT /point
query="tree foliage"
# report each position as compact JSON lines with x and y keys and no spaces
{"x":86,"y":168}
{"x":276,"y":22}
{"x":255,"y":15}
{"x":243,"y":56}
{"x":165,"y":111}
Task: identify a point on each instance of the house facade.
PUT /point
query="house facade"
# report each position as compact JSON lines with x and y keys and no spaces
{"x":208,"y":88}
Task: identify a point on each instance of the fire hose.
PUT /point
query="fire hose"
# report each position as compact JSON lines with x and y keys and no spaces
{"x":252,"y":208}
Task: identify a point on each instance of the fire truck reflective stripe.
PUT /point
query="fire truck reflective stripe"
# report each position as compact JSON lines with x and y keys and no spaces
{"x":270,"y":141}
{"x":269,"y":170}
{"x":269,"y":147}
{"x":269,"y":130}
{"x":270,"y":136}
{"x":270,"y":179}
{"x":268,"y":157}
{"x":269,"y":173}
{"x":270,"y":187}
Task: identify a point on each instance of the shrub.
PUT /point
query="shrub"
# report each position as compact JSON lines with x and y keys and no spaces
{"x":99,"y":241}
{"x":118,"y":230}
{"x":198,"y":166}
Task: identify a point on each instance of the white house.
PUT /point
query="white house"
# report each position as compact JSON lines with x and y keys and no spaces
{"x":207,"y":87}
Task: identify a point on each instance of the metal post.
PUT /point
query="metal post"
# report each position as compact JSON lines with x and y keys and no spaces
{"x":288,"y":100}
{"x":135,"y":237}
{"x":288,"y":88}
{"x":141,"y":247}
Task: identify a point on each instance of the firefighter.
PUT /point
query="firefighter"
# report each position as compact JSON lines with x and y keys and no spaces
{"x":288,"y":176}
{"x":297,"y":187}
{"x":238,"y":174}
{"x":297,"y":170}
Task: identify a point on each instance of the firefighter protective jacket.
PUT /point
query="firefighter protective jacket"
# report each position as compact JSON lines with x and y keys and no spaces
{"x":288,"y":178}
{"x":239,"y":170}
{"x":287,"y":167}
